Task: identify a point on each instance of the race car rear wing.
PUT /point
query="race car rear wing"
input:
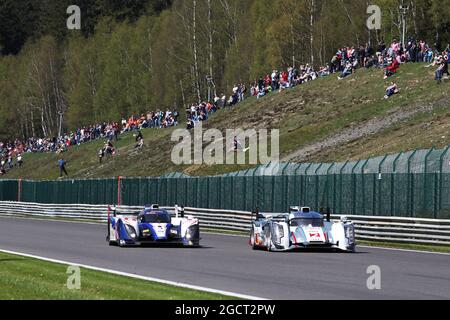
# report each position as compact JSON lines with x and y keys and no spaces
{"x":256,"y":215}
{"x":114,"y":211}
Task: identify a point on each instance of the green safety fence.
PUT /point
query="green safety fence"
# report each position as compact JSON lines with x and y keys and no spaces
{"x":411,"y":184}
{"x":9,"y":190}
{"x":93,"y":191}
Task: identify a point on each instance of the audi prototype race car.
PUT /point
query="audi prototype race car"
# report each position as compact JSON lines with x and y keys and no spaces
{"x":152,"y":225}
{"x":301,"y":228}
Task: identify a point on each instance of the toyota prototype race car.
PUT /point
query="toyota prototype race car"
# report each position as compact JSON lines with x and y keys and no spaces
{"x":152,"y":225}
{"x":301,"y":228}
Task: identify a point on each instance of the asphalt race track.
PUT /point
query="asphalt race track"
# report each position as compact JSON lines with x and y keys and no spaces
{"x":227,"y":263}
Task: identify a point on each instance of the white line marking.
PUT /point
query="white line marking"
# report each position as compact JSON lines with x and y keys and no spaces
{"x":229,"y":235}
{"x":135,"y":276}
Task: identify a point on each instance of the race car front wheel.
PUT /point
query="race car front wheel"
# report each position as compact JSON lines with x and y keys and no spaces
{"x":269,"y":240}
{"x":253,"y":239}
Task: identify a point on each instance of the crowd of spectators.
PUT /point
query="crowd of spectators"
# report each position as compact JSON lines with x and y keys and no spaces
{"x":157,"y":119}
{"x":11,"y":152}
{"x":345,"y":62}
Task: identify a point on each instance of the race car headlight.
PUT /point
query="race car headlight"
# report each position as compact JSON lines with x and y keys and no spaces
{"x":131,"y":232}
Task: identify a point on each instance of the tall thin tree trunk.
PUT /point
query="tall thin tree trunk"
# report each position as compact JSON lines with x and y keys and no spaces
{"x":313,"y":5}
{"x":211,"y":44}
{"x":292,"y":40}
{"x":194,"y":46}
{"x":349,"y":17}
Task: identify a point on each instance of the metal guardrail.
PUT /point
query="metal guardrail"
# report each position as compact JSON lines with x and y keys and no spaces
{"x":388,"y":229}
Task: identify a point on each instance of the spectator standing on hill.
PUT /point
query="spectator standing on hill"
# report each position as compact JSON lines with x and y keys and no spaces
{"x":139,"y":140}
{"x":19,"y":160}
{"x":62,"y":167}
{"x":139,"y":136}
{"x":101,"y":154}
{"x":440,"y":70}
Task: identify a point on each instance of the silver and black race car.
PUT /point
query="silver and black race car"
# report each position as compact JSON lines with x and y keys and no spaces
{"x":152,"y":225}
{"x":301,"y":228}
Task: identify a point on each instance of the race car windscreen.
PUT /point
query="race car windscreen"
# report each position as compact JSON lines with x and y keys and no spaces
{"x":156,"y":217}
{"x":304,"y":222}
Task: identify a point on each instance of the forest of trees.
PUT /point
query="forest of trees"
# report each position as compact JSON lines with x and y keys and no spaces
{"x":137,"y":55}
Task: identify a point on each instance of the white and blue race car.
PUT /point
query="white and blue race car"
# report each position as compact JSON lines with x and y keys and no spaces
{"x":152,"y":225}
{"x":301,"y":228}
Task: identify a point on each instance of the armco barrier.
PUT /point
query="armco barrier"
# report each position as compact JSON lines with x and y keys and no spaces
{"x":389,"y":229}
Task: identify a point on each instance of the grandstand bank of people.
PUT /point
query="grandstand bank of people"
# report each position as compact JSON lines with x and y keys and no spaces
{"x":344,"y":62}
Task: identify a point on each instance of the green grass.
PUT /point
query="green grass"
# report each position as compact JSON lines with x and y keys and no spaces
{"x":306,"y":114}
{"x":397,"y":245}
{"x":23,"y":278}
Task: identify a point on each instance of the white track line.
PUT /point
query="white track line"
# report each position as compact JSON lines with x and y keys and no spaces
{"x":231,"y":235}
{"x":124,"y":274}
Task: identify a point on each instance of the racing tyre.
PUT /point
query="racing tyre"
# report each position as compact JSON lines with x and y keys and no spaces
{"x":120,"y":243}
{"x":269,"y":240}
{"x":253,"y":239}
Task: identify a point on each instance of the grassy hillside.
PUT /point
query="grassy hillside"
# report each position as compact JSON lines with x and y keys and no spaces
{"x":324,"y":120}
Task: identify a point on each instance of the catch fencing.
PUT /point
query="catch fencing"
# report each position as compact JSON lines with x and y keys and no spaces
{"x":414,"y":184}
{"x":418,"y":231}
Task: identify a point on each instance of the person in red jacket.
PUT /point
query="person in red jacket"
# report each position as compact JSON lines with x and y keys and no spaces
{"x":392,"y":69}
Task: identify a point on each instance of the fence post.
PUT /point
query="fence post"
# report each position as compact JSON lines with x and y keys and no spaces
{"x":19,"y":190}
{"x":305,"y":189}
{"x":286,"y":186}
{"x":245,"y":191}
{"x":363,"y":187}
{"x":393,"y":183}
{"x":436,"y":195}
{"x":317,"y":185}
{"x":441,"y":175}
{"x":354,"y":187}
{"x":411,"y":186}
{"x":255,"y":200}
{"x":425,"y":180}
{"x":379,"y":183}
{"x":334,"y":187}
{"x":299,"y":184}
{"x":340,"y":186}
{"x":119,"y":191}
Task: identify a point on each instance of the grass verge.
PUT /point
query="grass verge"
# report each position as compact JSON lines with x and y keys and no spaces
{"x":306,"y":115}
{"x":23,"y":278}
{"x":396,"y":245}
